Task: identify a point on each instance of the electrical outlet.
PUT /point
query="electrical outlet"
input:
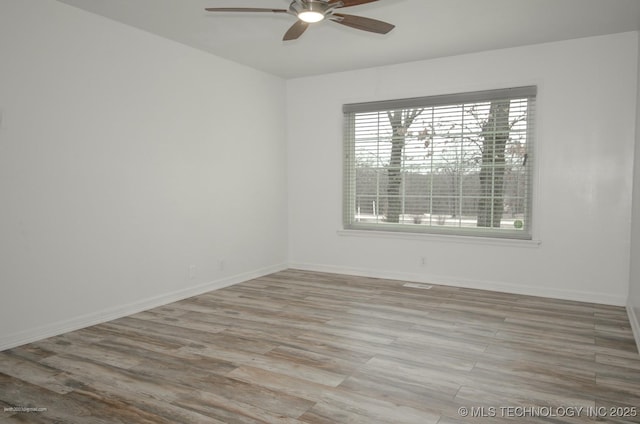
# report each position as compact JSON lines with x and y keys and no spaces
{"x":192,"y":272}
{"x":221,"y":265}
{"x":423,"y":261}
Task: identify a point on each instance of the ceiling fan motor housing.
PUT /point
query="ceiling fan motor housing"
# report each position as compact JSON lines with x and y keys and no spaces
{"x":313,"y":10}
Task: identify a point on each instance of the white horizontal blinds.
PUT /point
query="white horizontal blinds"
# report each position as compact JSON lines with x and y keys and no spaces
{"x":349,"y":177}
{"x":449,"y":164}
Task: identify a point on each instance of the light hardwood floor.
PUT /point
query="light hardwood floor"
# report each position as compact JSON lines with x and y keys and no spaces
{"x":305,"y":347}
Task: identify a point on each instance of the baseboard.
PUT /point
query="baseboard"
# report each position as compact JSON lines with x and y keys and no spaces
{"x":56,"y":328}
{"x":60,"y":327}
{"x":579,"y":296}
{"x":635,"y":324}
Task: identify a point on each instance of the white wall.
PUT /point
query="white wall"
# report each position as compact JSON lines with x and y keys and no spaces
{"x":124,"y":159}
{"x":633,"y":305}
{"x":585,"y":136}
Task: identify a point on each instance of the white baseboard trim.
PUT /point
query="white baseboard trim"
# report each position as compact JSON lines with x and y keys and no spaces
{"x":635,"y":324}
{"x":579,"y":296}
{"x":60,"y":327}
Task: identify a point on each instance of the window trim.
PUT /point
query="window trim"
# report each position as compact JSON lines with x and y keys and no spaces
{"x":448,"y":238}
{"x":349,"y":225}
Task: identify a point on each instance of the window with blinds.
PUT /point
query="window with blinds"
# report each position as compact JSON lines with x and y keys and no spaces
{"x":455,"y":164}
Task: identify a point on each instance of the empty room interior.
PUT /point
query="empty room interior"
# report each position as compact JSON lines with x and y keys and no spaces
{"x":411,"y":211}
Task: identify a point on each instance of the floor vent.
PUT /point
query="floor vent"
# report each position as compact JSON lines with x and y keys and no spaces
{"x":417,"y":286}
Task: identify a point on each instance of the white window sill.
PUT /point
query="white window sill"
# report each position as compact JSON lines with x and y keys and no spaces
{"x":492,"y":241}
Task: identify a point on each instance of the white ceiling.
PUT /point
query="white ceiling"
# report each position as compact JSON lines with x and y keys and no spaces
{"x":425,"y":29}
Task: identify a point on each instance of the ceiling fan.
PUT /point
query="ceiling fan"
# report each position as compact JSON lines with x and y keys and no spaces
{"x":311,"y":11}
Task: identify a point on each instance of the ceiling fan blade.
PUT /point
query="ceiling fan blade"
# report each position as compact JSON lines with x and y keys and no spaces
{"x":244,"y":9}
{"x":349,"y":3}
{"x":365,"y":24}
{"x":295,"y":31}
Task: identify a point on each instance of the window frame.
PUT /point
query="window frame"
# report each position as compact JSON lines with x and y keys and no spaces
{"x":349,"y":162}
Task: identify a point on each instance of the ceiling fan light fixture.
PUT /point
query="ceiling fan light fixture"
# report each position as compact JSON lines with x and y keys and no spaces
{"x":310,"y":16}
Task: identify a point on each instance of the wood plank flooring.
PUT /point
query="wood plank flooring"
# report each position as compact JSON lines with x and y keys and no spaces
{"x":305,"y":347}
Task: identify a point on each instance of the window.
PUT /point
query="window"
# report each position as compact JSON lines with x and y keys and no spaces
{"x":455,"y":164}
